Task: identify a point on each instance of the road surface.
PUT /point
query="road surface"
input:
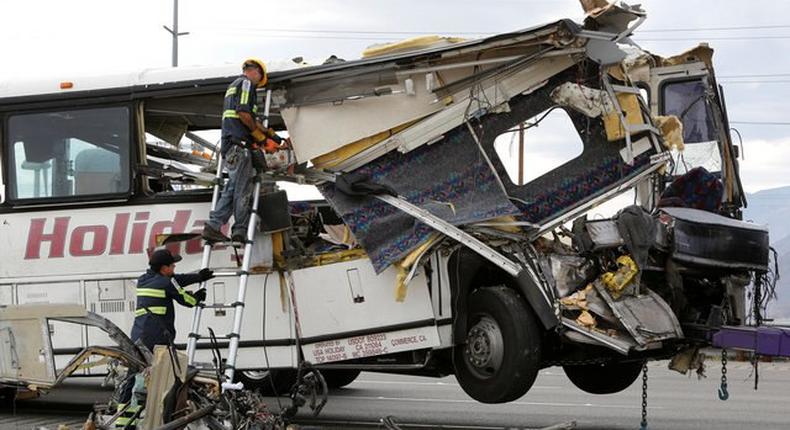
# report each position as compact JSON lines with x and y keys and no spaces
{"x":675,"y":402}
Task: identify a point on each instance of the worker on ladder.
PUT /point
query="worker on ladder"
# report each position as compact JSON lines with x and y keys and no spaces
{"x":243,"y":137}
{"x":154,"y":322}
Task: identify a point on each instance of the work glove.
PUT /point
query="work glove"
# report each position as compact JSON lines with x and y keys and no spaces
{"x":258,"y":135}
{"x":205,"y":274}
{"x":200,"y":295}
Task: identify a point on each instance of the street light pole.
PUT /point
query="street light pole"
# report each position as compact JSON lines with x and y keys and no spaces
{"x":175,"y":33}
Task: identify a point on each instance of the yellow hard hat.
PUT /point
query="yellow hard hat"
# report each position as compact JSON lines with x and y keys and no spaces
{"x":260,"y":64}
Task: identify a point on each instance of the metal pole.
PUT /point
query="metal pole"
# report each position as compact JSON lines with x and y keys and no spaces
{"x":174,"y":32}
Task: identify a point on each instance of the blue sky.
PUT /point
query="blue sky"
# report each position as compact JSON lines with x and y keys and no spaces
{"x":83,"y":37}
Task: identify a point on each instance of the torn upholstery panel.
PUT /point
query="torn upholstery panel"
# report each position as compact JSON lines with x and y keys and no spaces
{"x":460,"y":189}
{"x":599,"y":168}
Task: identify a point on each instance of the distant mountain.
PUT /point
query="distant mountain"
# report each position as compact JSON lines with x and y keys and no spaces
{"x":772,"y":208}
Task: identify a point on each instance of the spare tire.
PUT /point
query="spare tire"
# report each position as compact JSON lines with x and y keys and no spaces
{"x":338,"y":378}
{"x":607,"y":378}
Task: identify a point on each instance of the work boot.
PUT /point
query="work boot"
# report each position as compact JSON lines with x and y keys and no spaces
{"x":211,"y":235}
{"x":238,"y":237}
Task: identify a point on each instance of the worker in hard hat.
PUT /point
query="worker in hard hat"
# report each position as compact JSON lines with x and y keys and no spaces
{"x":243,"y":137}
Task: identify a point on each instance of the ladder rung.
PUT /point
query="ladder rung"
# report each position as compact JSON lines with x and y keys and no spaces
{"x":222,"y":305}
{"x":199,"y":336}
{"x":228,"y":274}
{"x":625,"y":89}
{"x":233,"y":243}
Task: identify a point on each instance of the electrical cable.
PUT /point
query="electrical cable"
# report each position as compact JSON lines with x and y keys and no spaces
{"x":265,"y":349}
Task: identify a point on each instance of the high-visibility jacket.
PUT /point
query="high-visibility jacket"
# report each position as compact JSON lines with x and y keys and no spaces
{"x":154,"y":321}
{"x":239,"y":97}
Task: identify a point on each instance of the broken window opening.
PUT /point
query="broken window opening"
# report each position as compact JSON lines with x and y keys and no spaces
{"x":687,"y":100}
{"x":69,"y":153}
{"x":549,"y":140}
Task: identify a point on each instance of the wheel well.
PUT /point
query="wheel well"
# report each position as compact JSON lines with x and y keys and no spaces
{"x":469,"y":271}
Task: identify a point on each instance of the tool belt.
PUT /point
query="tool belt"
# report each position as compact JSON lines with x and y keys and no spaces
{"x":256,"y":155}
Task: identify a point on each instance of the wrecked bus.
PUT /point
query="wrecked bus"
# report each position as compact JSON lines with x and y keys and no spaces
{"x":426,"y":255}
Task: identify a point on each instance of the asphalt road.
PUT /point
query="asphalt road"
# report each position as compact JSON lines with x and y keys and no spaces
{"x":674,"y":402}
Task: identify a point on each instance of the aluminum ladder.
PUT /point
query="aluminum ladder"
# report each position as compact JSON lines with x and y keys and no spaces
{"x":243,"y":273}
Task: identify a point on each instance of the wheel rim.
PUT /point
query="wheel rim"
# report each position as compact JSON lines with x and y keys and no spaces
{"x":484,"y":348}
{"x":256,"y":375}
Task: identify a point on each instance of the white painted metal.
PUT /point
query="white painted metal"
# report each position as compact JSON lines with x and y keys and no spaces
{"x":350,"y":296}
{"x":434,"y":127}
{"x":360,"y":118}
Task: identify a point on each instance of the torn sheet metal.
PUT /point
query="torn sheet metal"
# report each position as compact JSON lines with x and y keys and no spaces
{"x":363,"y":98}
{"x":597,"y":103}
{"x":357,"y":118}
{"x":570,"y":272}
{"x":26,"y":353}
{"x":647,"y":317}
{"x":612,"y":17}
{"x":589,"y":101}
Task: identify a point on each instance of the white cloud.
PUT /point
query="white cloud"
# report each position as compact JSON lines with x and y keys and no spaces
{"x":766,"y":164}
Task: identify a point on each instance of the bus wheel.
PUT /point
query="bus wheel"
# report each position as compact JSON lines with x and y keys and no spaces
{"x":500,"y":359}
{"x":270,"y":382}
{"x":608,"y":378}
{"x":338,"y":378}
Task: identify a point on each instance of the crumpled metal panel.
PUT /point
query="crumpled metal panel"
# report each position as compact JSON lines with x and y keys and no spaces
{"x":647,"y":317}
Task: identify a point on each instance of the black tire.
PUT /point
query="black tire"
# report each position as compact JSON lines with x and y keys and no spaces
{"x":7,"y":397}
{"x":339,"y":378}
{"x":268,"y":382}
{"x":500,"y":359}
{"x":608,"y":378}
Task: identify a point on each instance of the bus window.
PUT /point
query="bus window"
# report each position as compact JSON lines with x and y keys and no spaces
{"x":69,"y":153}
{"x":687,"y":100}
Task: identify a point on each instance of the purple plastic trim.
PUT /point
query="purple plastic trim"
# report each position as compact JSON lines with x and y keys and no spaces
{"x":764,"y":340}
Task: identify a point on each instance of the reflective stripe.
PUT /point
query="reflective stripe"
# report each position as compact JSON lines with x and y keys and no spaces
{"x":191,"y":301}
{"x":184,"y":294}
{"x":255,"y":109}
{"x":230,"y":92}
{"x":151,"y":292}
{"x":156,"y":310}
{"x":230,"y":113}
{"x":245,"y":92}
{"x":122,"y":422}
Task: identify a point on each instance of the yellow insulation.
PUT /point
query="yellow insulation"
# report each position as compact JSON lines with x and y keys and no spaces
{"x":413,"y":44}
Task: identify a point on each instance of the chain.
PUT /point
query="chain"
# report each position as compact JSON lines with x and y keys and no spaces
{"x":723,"y":393}
{"x":643,"y":424}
